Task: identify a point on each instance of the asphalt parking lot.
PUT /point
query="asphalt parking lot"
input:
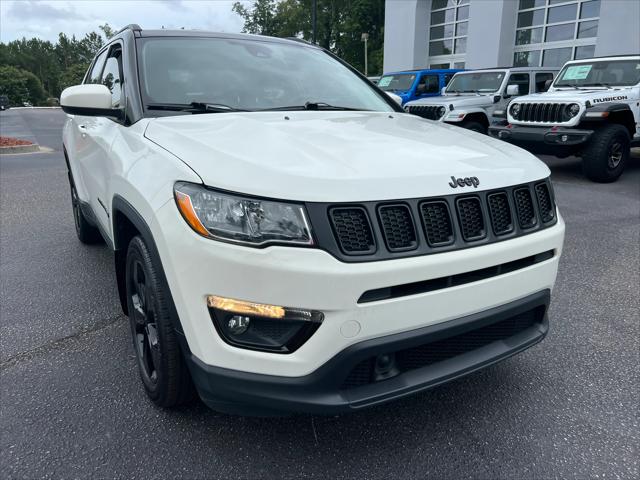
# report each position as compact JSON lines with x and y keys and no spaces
{"x":72,"y":405}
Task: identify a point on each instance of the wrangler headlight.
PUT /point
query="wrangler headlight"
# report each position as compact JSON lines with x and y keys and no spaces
{"x":573,"y":110}
{"x":441,"y":112}
{"x":514,"y":110}
{"x":240,"y":219}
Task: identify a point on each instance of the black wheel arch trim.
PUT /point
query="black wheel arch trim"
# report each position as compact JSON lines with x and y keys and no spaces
{"x":120,"y":206}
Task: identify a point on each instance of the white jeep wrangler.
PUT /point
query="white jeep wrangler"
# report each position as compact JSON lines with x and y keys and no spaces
{"x":592,"y":110}
{"x":286,"y":238}
{"x":470,"y":98}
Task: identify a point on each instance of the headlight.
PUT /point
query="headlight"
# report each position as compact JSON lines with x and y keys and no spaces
{"x":572,"y":110}
{"x":515,"y":110}
{"x":239,"y":219}
{"x":441,"y":112}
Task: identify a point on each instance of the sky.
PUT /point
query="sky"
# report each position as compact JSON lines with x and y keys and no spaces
{"x":46,"y":18}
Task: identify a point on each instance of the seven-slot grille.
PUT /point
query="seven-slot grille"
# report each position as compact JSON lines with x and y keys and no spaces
{"x":430,"y":112}
{"x":471,"y":218}
{"x":353,"y":231}
{"x":398,"y":228}
{"x":542,"y":112}
{"x":524,"y":208}
{"x":500,"y":213}
{"x":379,"y":230}
{"x":437,"y":223}
{"x":545,"y":205}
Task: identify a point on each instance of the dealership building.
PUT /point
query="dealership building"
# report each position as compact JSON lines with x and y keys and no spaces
{"x":490,"y":33}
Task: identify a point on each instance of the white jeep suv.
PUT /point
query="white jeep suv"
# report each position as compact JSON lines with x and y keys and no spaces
{"x":287,"y":239}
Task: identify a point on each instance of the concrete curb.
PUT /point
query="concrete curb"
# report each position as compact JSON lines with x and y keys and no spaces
{"x":20,"y":149}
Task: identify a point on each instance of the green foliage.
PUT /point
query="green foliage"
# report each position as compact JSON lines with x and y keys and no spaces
{"x":20,"y":86}
{"x":340,"y":25}
{"x":56,"y":66}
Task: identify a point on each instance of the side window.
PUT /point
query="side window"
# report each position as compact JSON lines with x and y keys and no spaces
{"x":541,"y":81}
{"x":429,"y":84}
{"x":522,"y":80}
{"x":96,"y":70}
{"x":112,"y":76}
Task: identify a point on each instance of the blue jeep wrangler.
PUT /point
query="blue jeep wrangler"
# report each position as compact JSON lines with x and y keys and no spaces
{"x":414,"y":84}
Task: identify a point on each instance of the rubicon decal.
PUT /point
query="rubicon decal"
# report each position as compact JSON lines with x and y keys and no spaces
{"x":609,"y":99}
{"x":462,"y":182}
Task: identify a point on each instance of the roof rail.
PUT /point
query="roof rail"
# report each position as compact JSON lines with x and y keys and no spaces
{"x":132,"y":26}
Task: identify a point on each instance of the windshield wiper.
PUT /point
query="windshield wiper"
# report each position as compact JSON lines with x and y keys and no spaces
{"x":194,"y":107}
{"x":311,"y":106}
{"x":567,"y":85}
{"x":606,"y":85}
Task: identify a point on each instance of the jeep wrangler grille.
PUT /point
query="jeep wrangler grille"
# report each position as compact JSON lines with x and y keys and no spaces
{"x":542,"y":112}
{"x":430,"y":112}
{"x":369,"y":231}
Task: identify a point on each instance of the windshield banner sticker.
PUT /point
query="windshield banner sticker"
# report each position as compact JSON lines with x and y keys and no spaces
{"x":577,"y":72}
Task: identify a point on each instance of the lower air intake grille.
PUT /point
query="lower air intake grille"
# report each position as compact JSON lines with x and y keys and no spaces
{"x":471,"y":219}
{"x":437,"y":223}
{"x":353,"y":230}
{"x":500,"y":213}
{"x":444,"y":349}
{"x":524,"y":207}
{"x":397,"y":227}
{"x":545,"y":205}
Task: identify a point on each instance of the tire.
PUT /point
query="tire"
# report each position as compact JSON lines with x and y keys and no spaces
{"x":606,"y":154}
{"x":87,"y":233}
{"x":475,"y":127}
{"x":162,"y":368}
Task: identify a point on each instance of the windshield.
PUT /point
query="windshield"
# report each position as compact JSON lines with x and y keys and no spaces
{"x":248,"y":75}
{"x":397,"y":82}
{"x":600,"y":74}
{"x":475,"y":82}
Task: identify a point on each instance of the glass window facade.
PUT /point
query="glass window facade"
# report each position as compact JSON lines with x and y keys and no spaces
{"x":448,"y":32}
{"x":551,"y":32}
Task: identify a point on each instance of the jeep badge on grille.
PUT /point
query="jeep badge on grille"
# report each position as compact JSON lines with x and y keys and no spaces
{"x":462,"y":182}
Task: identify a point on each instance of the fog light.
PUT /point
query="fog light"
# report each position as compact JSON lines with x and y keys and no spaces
{"x":238,"y":324}
{"x":259,"y":326}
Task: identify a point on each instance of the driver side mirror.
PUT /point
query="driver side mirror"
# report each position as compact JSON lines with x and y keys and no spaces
{"x":444,"y":89}
{"x":91,"y":100}
{"x":512,"y":90}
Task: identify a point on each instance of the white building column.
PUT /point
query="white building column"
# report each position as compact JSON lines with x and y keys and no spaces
{"x":492,"y":33}
{"x":406,"y":34}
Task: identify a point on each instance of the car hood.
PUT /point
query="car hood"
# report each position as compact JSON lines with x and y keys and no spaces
{"x":339,"y":156}
{"x":579,"y":96}
{"x":458,"y":101}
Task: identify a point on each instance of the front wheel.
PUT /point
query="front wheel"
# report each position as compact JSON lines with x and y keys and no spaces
{"x":162,"y":368}
{"x":606,"y":154}
{"x":475,"y":127}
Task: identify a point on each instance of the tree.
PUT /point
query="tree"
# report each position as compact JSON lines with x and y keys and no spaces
{"x":259,"y":19}
{"x":20,"y":86}
{"x":107,"y":30}
{"x":340,"y":25}
{"x":73,"y":75}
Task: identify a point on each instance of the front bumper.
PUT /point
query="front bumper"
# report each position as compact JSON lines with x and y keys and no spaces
{"x":542,"y":139}
{"x":431,"y":355}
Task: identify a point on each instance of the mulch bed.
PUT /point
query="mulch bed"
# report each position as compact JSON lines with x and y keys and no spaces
{"x":13,"y":142}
